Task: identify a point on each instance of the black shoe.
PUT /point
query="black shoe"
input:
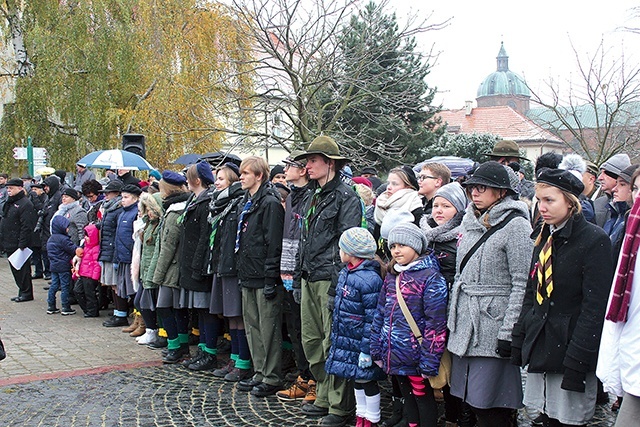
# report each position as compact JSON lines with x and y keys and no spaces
{"x":199,"y":355}
{"x":37,"y":276}
{"x":159,"y":344}
{"x":14,"y":298}
{"x":115,"y":322}
{"x":207,"y":362}
{"x":46,"y":288}
{"x":333,"y":420}
{"x":22,"y":299}
{"x":194,"y":339}
{"x":312,"y":410}
{"x":248,"y":384}
{"x":47,"y":277}
{"x":91,"y":315}
{"x":174,"y":356}
{"x":68,"y":311}
{"x":224,"y":346}
{"x":264,"y":390}
{"x":53,"y":310}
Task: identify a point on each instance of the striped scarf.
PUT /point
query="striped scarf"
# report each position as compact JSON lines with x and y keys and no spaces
{"x":545,"y":271}
{"x":619,"y":307}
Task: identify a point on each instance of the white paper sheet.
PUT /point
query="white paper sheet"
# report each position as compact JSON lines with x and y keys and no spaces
{"x":19,"y":257}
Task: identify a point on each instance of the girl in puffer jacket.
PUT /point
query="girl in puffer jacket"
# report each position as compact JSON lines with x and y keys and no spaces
{"x":394,"y":347}
{"x":357,"y":291}
{"x":86,"y":287}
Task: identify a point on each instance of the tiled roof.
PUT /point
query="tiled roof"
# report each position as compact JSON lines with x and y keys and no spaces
{"x":503,"y":121}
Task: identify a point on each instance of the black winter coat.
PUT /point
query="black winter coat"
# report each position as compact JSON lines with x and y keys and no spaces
{"x":223,"y":257}
{"x":19,"y":220}
{"x":50,"y":208}
{"x":107,"y":227}
{"x":337,"y":210}
{"x":194,"y":244}
{"x":261,"y":239}
{"x":564,"y":332}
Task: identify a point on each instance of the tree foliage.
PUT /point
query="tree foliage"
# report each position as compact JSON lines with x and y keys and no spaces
{"x":104,"y":68}
{"x":467,"y":145}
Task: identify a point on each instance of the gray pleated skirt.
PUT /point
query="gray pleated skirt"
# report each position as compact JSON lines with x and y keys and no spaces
{"x":194,"y":299}
{"x":168,"y":297}
{"x":148,"y":299}
{"x":107,"y":274}
{"x":542,"y":393}
{"x":124,"y":288}
{"x":486,"y":382}
{"x":226,"y":297}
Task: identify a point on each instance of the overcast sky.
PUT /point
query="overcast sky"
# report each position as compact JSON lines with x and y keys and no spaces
{"x":537,"y":36}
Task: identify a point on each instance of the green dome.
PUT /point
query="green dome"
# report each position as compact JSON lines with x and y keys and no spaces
{"x":503,"y":81}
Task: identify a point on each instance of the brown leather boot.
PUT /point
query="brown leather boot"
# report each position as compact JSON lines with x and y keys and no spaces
{"x":140,"y":330}
{"x":134,"y":325}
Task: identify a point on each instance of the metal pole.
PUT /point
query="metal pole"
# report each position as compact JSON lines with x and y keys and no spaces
{"x":30,"y":155}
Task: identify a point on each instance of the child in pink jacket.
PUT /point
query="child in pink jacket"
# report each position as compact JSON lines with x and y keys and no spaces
{"x":86,"y":288}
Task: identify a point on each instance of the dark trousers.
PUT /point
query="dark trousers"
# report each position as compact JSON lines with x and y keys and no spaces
{"x":291,"y":313}
{"x":36,"y":259}
{"x":23,"y":279}
{"x":86,"y":292}
{"x":495,"y":417}
{"x":45,"y":262}
{"x":419,"y":402}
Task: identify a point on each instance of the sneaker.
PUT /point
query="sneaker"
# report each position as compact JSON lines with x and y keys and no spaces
{"x":149,"y":336}
{"x":297,"y":391}
{"x":237,"y":375}
{"x":199,"y":355}
{"x":174,"y":356}
{"x":207,"y":362}
{"x":311,"y":393}
{"x":68,"y":311}
{"x":222,"y":372}
{"x":53,"y":310}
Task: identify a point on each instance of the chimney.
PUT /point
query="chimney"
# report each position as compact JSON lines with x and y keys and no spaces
{"x":468,"y":108}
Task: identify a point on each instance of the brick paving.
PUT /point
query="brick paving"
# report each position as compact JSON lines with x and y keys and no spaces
{"x":70,"y":371}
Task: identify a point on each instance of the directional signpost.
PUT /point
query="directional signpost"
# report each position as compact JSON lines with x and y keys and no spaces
{"x":35,"y":156}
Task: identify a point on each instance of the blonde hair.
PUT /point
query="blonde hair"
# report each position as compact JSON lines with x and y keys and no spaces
{"x":573,"y":201}
{"x":439,"y":171}
{"x":192,"y":175}
{"x":229,"y":173}
{"x":403,"y":177}
{"x":365,"y":193}
{"x":167,"y":189}
{"x":256,"y":165}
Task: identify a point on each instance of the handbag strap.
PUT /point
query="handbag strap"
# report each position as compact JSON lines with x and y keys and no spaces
{"x":407,"y":314}
{"x":485,"y":236}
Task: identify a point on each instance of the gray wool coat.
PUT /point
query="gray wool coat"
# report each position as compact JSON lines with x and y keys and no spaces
{"x":487,"y":296}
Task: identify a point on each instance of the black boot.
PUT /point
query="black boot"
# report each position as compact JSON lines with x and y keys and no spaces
{"x":207,"y":362}
{"x":397,"y":415}
{"x":466,"y":418}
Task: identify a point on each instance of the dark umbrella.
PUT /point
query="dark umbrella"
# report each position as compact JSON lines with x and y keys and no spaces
{"x":186,"y":159}
{"x":217,"y":158}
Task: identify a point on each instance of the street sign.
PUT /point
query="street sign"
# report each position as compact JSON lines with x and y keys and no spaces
{"x":20,"y":153}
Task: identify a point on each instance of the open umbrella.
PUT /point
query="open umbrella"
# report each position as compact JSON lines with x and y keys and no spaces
{"x":217,"y":158}
{"x":115,"y":159}
{"x":186,"y":159}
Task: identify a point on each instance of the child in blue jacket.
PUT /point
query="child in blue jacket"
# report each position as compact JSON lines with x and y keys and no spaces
{"x":61,"y":251}
{"x":394,"y":347}
{"x":357,"y":291}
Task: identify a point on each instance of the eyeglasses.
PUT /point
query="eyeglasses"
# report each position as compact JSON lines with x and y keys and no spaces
{"x":423,"y":177}
{"x":478,"y":187}
{"x":294,"y":164}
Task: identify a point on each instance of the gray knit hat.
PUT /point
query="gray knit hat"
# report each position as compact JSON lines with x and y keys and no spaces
{"x":454,"y":193}
{"x":408,"y":234}
{"x":358,"y":242}
{"x":616,"y":164}
{"x":392,"y":219}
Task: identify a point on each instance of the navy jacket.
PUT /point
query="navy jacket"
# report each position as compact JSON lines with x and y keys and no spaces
{"x":59,"y":246}
{"x":355,"y":305}
{"x":107,"y":228}
{"x":124,"y":234}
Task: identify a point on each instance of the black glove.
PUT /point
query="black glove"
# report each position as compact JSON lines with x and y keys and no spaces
{"x":270,"y":291}
{"x":573,"y":380}
{"x":331,"y":302}
{"x":297,"y":295}
{"x":504,"y":349}
{"x":516,"y":356}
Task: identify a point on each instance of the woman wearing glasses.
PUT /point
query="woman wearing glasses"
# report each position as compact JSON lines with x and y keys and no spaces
{"x":492,"y":261}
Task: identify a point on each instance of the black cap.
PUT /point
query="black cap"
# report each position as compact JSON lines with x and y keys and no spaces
{"x":132,"y":189}
{"x":71,"y":193}
{"x":15,"y":182}
{"x":369,"y":169}
{"x":114,"y":186}
{"x":562,"y":179}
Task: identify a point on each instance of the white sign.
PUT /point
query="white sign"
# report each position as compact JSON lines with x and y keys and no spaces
{"x":20,"y":153}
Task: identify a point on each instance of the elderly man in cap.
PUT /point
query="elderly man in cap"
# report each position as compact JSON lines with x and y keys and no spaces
{"x":609,"y":172}
{"x":16,"y":232}
{"x":82,"y":175}
{"x":331,"y":208}
{"x":371,"y":174}
{"x":505,"y":152}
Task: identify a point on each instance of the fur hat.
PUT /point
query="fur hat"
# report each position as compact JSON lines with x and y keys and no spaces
{"x":358,"y":242}
{"x":408,"y":234}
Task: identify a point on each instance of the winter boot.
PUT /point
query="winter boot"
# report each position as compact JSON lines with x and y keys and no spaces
{"x":134,"y":325}
{"x":396,"y":414}
{"x":140,"y":330}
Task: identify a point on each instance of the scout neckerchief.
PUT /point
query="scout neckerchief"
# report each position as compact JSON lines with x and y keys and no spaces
{"x":545,"y":271}
{"x":245,"y":209}
{"x":312,"y":207}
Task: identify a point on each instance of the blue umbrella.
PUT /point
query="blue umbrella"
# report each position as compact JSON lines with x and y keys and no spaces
{"x":115,"y":159}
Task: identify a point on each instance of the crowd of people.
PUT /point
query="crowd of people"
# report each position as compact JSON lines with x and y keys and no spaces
{"x":448,"y":287}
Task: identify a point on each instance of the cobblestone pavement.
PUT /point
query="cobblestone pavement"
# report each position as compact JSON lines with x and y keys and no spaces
{"x":71,"y":371}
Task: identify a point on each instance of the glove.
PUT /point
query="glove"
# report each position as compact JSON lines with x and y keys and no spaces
{"x":270,"y":291}
{"x":331,"y":302}
{"x":504,"y":349}
{"x":288,"y":284}
{"x":573,"y":380}
{"x":297,"y":295}
{"x":516,"y":356}
{"x":364,"y":360}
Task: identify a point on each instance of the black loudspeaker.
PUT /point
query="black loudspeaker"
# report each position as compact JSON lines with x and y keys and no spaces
{"x":134,"y":143}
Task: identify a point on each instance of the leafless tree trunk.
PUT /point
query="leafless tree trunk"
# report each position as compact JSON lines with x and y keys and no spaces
{"x":11,"y":12}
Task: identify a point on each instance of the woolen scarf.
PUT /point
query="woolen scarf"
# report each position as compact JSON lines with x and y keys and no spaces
{"x":619,"y":307}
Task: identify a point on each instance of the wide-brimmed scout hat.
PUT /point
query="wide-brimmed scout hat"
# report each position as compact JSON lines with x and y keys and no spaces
{"x":290,"y":160}
{"x":323,"y":145}
{"x":506,"y":148}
